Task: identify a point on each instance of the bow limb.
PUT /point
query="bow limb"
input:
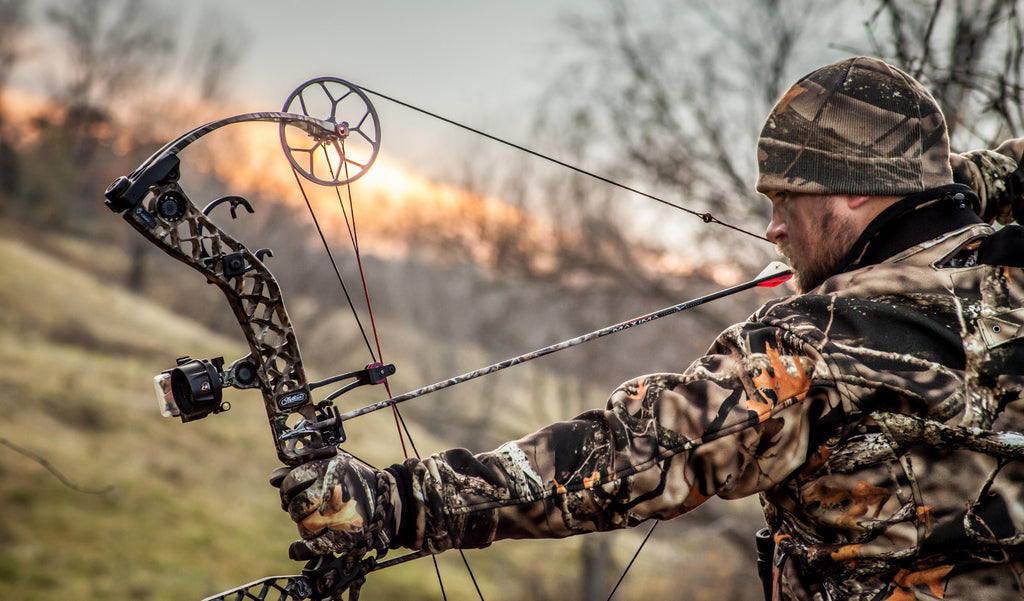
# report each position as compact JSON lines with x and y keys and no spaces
{"x":152,"y":200}
{"x":322,"y":578}
{"x":128,"y":191}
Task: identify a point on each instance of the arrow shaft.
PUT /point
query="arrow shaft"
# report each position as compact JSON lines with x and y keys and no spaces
{"x":771,"y":278}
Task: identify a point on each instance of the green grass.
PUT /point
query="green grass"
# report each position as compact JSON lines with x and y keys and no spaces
{"x":189,"y":512}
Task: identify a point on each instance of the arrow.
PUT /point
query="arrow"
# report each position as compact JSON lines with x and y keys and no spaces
{"x":774,"y":274}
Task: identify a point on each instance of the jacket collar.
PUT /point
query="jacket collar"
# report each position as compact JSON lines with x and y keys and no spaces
{"x":910,"y":221}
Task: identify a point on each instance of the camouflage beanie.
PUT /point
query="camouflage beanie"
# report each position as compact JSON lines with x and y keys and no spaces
{"x":858,"y":126}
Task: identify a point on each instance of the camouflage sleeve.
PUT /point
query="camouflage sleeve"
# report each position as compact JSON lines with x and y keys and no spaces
{"x":996,"y":177}
{"x":736,"y":422}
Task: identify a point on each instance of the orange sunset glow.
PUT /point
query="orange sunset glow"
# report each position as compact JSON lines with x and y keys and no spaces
{"x":394,"y":206}
{"x":388,"y":200}
{"x":397,"y":212}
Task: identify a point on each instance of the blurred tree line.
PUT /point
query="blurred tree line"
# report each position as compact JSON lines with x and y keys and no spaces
{"x":666,"y":96}
{"x":679,"y":90}
{"x":108,"y":77}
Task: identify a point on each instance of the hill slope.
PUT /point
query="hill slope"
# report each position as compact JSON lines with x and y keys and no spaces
{"x":78,"y":358}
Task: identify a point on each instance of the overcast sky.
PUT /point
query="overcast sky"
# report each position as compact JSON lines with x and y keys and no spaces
{"x":479,"y":62}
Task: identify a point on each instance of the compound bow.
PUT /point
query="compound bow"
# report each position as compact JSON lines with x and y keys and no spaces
{"x":332,"y":149}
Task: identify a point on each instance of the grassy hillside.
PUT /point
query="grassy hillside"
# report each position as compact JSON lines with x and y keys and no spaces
{"x":185,"y":510}
{"x":77,"y":360}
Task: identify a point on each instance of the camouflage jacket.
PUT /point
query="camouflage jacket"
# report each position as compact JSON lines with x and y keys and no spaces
{"x":879,"y":418}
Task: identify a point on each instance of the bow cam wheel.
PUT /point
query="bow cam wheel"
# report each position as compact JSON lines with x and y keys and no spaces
{"x":336,"y":156}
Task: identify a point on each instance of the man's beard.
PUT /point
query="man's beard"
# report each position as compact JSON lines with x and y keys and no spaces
{"x":836,"y":235}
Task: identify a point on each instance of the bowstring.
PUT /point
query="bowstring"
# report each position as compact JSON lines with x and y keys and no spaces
{"x":706,"y":217}
{"x":633,"y":559}
{"x":350,"y":224}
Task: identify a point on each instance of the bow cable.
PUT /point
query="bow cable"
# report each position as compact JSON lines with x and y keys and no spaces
{"x":353,"y":234}
{"x":334,"y":264}
{"x":632,"y":560}
{"x":350,"y":223}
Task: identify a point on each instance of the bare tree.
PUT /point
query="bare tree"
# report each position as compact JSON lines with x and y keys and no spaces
{"x":13,"y":18}
{"x":677,"y":94}
{"x":111,"y":48}
{"x":970,"y":53}
{"x":213,"y":56}
{"x":13,"y":22}
{"x":681,"y":92}
{"x":116,"y":78}
{"x":119,"y":64}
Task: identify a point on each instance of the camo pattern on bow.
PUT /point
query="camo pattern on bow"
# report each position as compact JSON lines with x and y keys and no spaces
{"x":152,"y":200}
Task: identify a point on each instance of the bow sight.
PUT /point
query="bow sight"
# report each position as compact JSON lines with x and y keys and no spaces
{"x":194,"y":388}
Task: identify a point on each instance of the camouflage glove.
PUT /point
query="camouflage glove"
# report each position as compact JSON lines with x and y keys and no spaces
{"x":341,"y":506}
{"x":996,"y":179}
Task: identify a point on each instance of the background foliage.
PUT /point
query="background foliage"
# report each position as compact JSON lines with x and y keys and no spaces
{"x":159,"y":510}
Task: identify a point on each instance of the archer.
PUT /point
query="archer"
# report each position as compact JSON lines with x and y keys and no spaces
{"x":877,"y":413}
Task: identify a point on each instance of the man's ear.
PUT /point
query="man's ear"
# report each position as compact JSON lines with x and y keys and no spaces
{"x":855,"y":202}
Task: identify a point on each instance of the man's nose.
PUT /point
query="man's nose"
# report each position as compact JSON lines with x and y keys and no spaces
{"x":776,"y":229}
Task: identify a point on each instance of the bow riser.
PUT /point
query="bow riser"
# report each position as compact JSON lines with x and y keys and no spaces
{"x":169,"y":219}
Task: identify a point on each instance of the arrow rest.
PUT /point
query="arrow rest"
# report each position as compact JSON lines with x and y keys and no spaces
{"x":234,"y":201}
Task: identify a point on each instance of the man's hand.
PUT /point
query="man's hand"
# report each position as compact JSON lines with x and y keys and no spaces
{"x":997,"y":180}
{"x":341,"y":506}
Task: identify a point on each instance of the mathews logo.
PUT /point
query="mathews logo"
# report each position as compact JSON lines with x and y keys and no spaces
{"x":292,"y":399}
